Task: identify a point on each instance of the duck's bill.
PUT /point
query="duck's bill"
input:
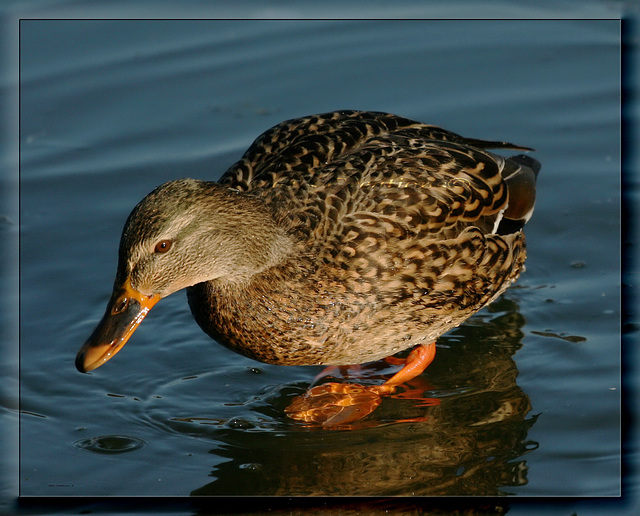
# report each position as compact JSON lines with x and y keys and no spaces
{"x":125,"y":311}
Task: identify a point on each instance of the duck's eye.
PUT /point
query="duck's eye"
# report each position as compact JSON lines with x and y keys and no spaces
{"x":163,"y":246}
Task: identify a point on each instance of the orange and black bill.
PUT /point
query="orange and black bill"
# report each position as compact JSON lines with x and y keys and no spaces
{"x":125,"y":311}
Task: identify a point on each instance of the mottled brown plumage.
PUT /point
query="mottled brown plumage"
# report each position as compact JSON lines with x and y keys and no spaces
{"x":393,"y":224}
{"x":337,"y":239}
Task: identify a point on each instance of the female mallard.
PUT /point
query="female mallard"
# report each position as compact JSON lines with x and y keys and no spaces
{"x":338,"y":239}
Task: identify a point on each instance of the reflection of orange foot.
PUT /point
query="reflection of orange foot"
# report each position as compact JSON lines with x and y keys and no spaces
{"x":414,"y":390}
{"x":335,"y":403}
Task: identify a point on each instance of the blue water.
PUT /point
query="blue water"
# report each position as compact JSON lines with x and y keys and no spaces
{"x":530,"y":388}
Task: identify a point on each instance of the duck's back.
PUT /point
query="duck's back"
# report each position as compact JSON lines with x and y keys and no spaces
{"x":405,"y":229}
{"x":346,"y":162}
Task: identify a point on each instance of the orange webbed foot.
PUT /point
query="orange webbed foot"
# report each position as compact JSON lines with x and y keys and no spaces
{"x":333,"y":404}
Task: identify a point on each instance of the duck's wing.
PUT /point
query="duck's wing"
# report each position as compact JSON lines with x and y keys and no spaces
{"x":434,"y":221}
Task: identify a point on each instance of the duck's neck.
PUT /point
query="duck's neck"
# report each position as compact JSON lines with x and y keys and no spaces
{"x":255,"y":241}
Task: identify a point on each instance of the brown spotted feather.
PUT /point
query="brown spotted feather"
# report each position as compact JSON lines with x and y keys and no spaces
{"x":394,"y":223}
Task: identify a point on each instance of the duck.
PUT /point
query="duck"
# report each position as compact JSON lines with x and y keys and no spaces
{"x":337,"y":239}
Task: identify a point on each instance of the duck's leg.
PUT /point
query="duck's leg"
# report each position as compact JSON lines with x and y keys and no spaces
{"x":332,"y":404}
{"x":417,"y":361}
{"x":334,"y":371}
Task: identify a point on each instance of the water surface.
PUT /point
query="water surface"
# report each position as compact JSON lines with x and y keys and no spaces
{"x":528,"y":390}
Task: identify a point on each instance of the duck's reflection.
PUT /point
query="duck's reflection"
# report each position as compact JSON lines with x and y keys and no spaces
{"x":470,"y":442}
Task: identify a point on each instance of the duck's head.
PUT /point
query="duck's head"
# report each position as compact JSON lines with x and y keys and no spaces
{"x":183,"y":233}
